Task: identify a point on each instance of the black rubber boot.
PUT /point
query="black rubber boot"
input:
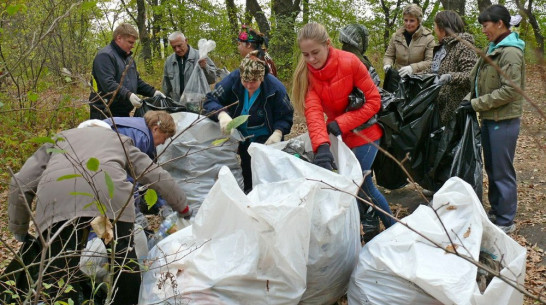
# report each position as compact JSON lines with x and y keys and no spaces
{"x":370,"y":224}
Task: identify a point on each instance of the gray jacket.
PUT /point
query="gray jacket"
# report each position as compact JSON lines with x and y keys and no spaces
{"x":171,"y":75}
{"x":62,"y":199}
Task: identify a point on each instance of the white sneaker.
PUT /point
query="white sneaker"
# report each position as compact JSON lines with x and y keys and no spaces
{"x":508,"y":229}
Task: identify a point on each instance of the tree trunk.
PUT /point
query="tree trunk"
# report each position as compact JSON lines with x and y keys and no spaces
{"x":232,"y":16}
{"x":389,"y":23}
{"x":305,"y":11}
{"x":284,"y":14}
{"x":146,"y":53}
{"x":534,"y":24}
{"x":256,"y":11}
{"x":455,"y":5}
{"x":156,"y":28}
{"x":483,"y":4}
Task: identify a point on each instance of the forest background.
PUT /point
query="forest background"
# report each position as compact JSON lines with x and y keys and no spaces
{"x":47,"y":48}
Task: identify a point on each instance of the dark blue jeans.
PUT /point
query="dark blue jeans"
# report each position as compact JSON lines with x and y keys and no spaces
{"x":365,"y":155}
{"x":499,"y":146}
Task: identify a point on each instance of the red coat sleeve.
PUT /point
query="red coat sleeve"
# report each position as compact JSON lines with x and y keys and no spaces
{"x":352,"y":119}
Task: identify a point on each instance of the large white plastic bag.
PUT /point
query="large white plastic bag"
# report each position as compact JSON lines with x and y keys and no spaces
{"x":239,"y":251}
{"x":398,"y":256}
{"x":335,"y":233}
{"x":198,"y":160}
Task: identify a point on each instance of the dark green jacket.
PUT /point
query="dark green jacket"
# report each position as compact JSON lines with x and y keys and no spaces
{"x":492,"y":94}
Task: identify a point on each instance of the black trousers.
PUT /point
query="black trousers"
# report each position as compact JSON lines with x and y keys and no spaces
{"x":64,"y":257}
{"x":245,"y":165}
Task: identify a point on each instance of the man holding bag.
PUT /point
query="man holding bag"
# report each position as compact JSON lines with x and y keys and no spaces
{"x":184,"y":59}
{"x":111,"y":64}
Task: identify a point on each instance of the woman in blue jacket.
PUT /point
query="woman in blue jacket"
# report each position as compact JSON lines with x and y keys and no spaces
{"x":259,"y":95}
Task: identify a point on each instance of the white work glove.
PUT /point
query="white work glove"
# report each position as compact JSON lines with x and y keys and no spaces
{"x":386,"y":67}
{"x":157,"y":92}
{"x":224,"y":119}
{"x":135,"y":100}
{"x":444,"y":79}
{"x":407,"y":70}
{"x":275,"y":137}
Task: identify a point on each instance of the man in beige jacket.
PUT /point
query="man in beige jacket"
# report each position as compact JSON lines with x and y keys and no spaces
{"x":71,"y":191}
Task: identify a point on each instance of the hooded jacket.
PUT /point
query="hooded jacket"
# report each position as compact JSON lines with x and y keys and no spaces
{"x":329,"y":89}
{"x":136,"y":129}
{"x":171,"y":73}
{"x":458,"y":62}
{"x":491,"y":94}
{"x":271,"y":109}
{"x":418,"y":54}
{"x":62,"y":199}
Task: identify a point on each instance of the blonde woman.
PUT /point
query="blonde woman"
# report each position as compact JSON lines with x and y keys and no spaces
{"x":410,"y":48}
{"x":322,"y":82}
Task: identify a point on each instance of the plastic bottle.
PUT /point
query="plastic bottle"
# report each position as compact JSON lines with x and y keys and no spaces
{"x":168,"y":226}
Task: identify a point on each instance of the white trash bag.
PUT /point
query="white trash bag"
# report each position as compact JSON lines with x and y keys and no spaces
{"x":335,"y":234}
{"x":401,"y":267}
{"x":240,"y":249}
{"x":94,"y":259}
{"x":197,"y":86}
{"x":193,"y":160}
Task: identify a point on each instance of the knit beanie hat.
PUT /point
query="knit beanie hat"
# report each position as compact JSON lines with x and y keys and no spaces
{"x":355,"y":35}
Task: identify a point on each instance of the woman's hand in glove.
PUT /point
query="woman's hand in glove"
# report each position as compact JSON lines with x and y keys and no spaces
{"x":324,"y":157}
{"x":275,"y":137}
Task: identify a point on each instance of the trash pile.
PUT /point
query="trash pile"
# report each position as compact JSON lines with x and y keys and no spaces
{"x":400,"y":266}
{"x":412,"y":130}
{"x":280,"y":244}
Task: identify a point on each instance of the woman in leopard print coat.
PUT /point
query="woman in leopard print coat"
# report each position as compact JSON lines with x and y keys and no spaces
{"x":452,"y":61}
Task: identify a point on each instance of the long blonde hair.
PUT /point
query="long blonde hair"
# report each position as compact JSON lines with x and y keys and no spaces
{"x":300,"y":81}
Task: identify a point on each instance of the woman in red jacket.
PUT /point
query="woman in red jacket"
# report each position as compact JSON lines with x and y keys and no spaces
{"x":322,"y":82}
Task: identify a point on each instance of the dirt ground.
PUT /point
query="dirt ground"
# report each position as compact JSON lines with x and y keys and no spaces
{"x":529,"y":163}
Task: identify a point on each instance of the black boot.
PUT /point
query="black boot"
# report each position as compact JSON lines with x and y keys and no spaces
{"x":370,"y":224}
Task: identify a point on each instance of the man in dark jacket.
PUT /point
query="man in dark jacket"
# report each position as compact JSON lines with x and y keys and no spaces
{"x":110,"y":64}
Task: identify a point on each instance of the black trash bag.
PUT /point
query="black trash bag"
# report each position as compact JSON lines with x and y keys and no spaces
{"x":407,"y":121}
{"x":459,"y":152}
{"x":356,"y":100}
{"x":158,"y":103}
{"x":388,"y":173}
{"x":392,"y":80}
